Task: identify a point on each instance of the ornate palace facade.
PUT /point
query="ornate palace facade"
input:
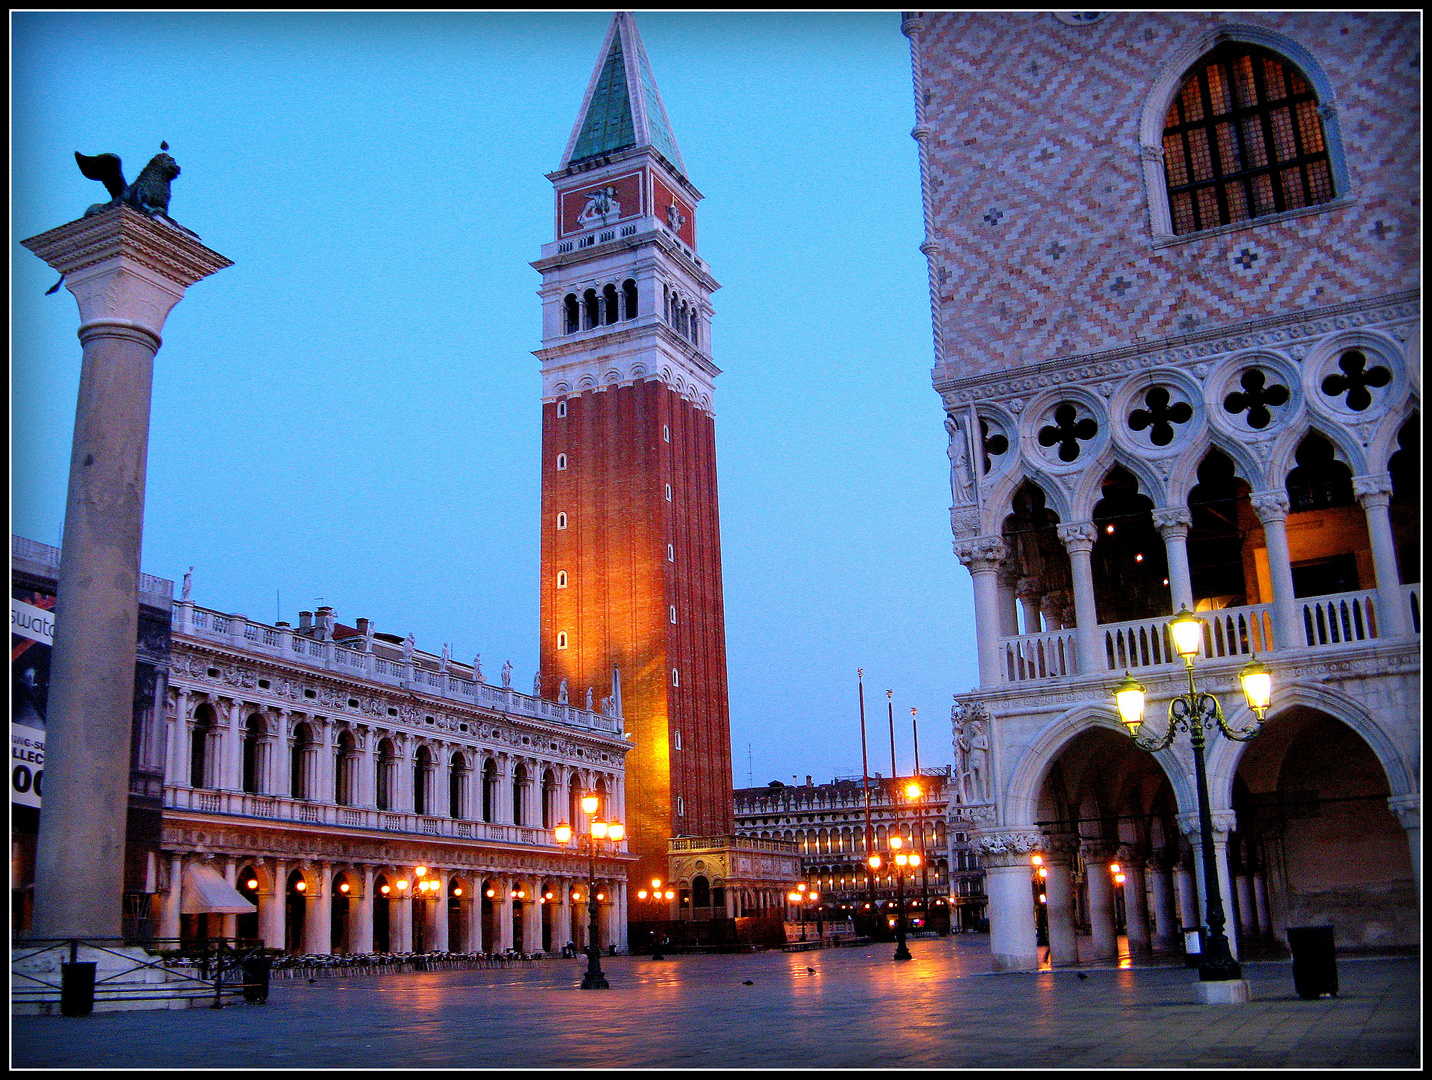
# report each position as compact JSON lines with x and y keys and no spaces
{"x":1175,"y":288}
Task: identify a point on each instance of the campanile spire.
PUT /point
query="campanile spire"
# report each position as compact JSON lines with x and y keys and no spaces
{"x":631,"y":549}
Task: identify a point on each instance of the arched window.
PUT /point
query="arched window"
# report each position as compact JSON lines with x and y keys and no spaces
{"x":561,"y":409}
{"x":562,"y":639}
{"x":589,"y":300}
{"x":670,"y":552}
{"x":457,"y":784}
{"x":422,"y":771}
{"x":489,"y":789}
{"x":519,"y":795}
{"x":299,"y":787}
{"x":1243,"y":139}
{"x":629,"y":296}
{"x":675,"y":677}
{"x":561,"y":521}
{"x":561,"y":462}
{"x":561,"y":579}
{"x":549,"y":799}
{"x":199,"y":745}
{"x":344,"y":761}
{"x":253,"y":732}
{"x":386,"y":763}
{"x":609,"y":296}
{"x":572,"y":312}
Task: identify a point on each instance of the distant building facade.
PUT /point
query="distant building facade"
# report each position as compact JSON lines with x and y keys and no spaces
{"x":827,"y":825}
{"x":1175,"y":284}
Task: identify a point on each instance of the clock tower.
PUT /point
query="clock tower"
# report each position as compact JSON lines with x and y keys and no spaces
{"x":631,"y":551}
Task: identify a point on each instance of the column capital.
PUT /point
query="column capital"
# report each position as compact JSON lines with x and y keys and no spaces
{"x":1408,"y":809}
{"x":1059,"y":847}
{"x":1077,"y":536}
{"x":982,"y":554}
{"x":1270,"y":505}
{"x":1373,"y":488}
{"x":1008,"y":847}
{"x":1224,"y":822}
{"x":126,"y":269}
{"x":1173,"y":522}
{"x":1095,"y":850}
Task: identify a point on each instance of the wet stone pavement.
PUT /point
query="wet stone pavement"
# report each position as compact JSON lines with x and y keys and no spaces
{"x":856,"y":1008}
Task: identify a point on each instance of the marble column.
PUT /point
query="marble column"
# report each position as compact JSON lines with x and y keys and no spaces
{"x":365,"y":789}
{"x":318,"y":911}
{"x":1136,"y":907}
{"x":400,"y":919}
{"x":1008,"y":581}
{"x":562,"y":931}
{"x":1187,"y":891}
{"x":1272,"y":510}
{"x":1005,"y":856}
{"x":440,"y":914}
{"x":126,"y":271}
{"x":1408,"y":811}
{"x":229,"y":924}
{"x":231,"y":746}
{"x":1078,"y":539}
{"x":173,"y":899}
{"x":283,"y":754}
{"x":1224,"y":822}
{"x":1028,"y":591}
{"x":1059,"y":900}
{"x":273,"y":918}
{"x":504,"y":915}
{"x":1394,"y":616}
{"x":1104,"y":944}
{"x":1173,"y":524}
{"x":982,"y":556}
{"x":178,"y":771}
{"x":360,"y":932}
{"x":1167,"y":936}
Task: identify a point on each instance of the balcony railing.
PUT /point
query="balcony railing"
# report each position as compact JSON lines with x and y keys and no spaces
{"x":283,"y":808}
{"x":1337,"y":620}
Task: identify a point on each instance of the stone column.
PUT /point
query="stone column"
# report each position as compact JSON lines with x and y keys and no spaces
{"x":502,"y":797}
{"x":1136,"y":907}
{"x":126,"y":271}
{"x":1408,"y":810}
{"x":283,"y":754}
{"x":1059,"y":900}
{"x":360,"y":932}
{"x":178,"y":771}
{"x":318,"y":911}
{"x":620,"y":908}
{"x":1187,"y":892}
{"x":1173,"y":524}
{"x":1224,"y":822}
{"x":1102,"y":929}
{"x":1005,"y":856}
{"x":1375,"y":492}
{"x":1167,"y":937}
{"x":982,"y":555}
{"x":400,"y":918}
{"x":1008,"y":581}
{"x":1051,"y":607}
{"x":473,"y":909}
{"x":1272,"y":510}
{"x":365,"y":792}
{"x":1029,"y":591}
{"x":229,"y":924}
{"x":1078,"y":538}
{"x":174,"y":898}
{"x":563,"y":929}
{"x":440,"y":914}
{"x":323,"y":786}
{"x":273,"y":919}
{"x":504,"y":914}
{"x":229,"y":759}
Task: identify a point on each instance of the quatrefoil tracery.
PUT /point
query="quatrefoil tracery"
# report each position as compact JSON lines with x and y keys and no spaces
{"x":1066,"y":432}
{"x":1355,"y":379}
{"x":1257,"y":398}
{"x":1160,"y":416}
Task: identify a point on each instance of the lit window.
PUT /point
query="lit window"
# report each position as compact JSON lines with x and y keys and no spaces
{"x":561,"y":521}
{"x":561,"y":461}
{"x":673,"y":613}
{"x":1243,"y":139}
{"x":561,"y":579}
{"x":668,"y":492}
{"x":670,"y":552}
{"x":561,"y":408}
{"x":562,"y":639}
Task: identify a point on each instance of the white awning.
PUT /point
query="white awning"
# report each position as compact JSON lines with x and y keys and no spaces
{"x":206,"y":891}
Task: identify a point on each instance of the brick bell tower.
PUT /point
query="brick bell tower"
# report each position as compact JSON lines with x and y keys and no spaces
{"x":631,"y":550}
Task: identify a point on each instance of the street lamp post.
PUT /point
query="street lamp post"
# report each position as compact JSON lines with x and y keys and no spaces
{"x":656,"y":895}
{"x":1195,"y":712}
{"x":597,"y":834}
{"x":902,"y":861}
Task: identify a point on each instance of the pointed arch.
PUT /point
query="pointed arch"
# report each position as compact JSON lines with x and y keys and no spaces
{"x":1088,"y":489}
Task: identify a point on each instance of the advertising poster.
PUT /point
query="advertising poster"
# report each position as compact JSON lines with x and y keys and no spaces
{"x":32,"y":630}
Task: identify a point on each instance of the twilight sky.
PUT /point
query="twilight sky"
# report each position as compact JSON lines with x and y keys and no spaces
{"x":351,"y":413}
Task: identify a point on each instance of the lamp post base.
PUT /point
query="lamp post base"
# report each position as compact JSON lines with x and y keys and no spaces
{"x":902,"y":953}
{"x":1223,"y":992}
{"x":594,"y":980}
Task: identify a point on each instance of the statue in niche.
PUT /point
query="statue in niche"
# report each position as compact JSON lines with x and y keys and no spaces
{"x":188,"y":583}
{"x":962,"y":481}
{"x":562,"y":693}
{"x":971,"y":731}
{"x":477,"y":668}
{"x":507,"y":675}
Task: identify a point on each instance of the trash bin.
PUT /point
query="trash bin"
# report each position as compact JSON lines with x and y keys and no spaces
{"x":257,"y":970}
{"x":1192,"y":946}
{"x":1315,"y":967}
{"x":77,"y":988}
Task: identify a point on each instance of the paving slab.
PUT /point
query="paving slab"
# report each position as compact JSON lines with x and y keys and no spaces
{"x":839,"y":1008}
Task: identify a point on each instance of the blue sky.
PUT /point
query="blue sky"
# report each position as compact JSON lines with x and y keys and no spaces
{"x":351,"y":411}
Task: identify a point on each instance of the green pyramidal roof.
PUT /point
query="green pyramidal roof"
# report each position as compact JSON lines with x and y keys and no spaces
{"x":622,"y":107}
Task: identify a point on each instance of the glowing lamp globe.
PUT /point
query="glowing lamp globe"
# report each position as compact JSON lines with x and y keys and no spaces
{"x":563,"y":833}
{"x":1257,"y":683}
{"x":1129,"y":696}
{"x":589,"y":804}
{"x":1187,"y":632}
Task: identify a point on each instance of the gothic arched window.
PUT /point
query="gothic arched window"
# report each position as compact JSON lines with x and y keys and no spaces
{"x":1243,"y":139}
{"x":573,"y":313}
{"x":629,"y":295}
